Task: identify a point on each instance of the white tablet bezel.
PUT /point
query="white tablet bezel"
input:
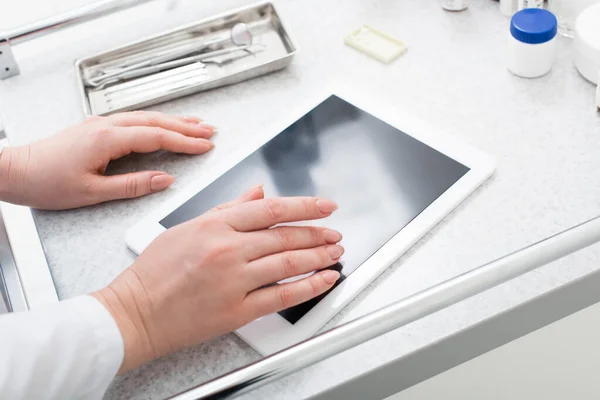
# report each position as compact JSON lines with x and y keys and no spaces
{"x":273,"y":333}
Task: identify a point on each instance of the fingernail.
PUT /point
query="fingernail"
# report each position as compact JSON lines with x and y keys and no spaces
{"x":206,"y":133}
{"x":209,"y":127}
{"x":191,"y":119}
{"x":331,"y":236}
{"x":335,"y":252}
{"x":207,"y":143}
{"x":326,"y":206}
{"x":255,"y":188}
{"x":161,"y":182}
{"x":330,"y":277}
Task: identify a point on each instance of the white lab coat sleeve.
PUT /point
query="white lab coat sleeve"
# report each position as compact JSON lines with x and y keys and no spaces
{"x":68,"y":350}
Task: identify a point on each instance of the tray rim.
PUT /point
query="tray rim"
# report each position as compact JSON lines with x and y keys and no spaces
{"x":87,"y":109}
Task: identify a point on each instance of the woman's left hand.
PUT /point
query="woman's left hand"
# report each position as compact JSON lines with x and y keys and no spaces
{"x":67,"y":170}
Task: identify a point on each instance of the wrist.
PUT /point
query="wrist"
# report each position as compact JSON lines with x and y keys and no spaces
{"x":13,"y":172}
{"x":119,"y":299}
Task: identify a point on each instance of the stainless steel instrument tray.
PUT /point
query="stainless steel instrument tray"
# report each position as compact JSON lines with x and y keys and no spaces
{"x":268,"y":32}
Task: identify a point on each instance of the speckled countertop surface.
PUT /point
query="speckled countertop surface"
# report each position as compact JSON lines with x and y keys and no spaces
{"x":544,"y":134}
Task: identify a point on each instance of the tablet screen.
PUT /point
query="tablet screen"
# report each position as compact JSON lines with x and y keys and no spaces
{"x":381,"y":178}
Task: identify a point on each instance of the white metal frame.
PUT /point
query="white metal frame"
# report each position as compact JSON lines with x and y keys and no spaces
{"x":29,"y":256}
{"x":33,"y":273}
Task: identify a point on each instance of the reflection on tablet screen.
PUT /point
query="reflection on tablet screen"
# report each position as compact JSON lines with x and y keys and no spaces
{"x":380,"y":177}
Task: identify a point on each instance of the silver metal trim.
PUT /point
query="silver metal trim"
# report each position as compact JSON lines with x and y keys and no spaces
{"x":8,"y":64}
{"x":452,"y":350}
{"x":12,"y":289}
{"x":5,"y":306}
{"x":397,"y":314}
{"x":70,"y":18}
{"x":12,"y":297}
{"x":2,"y":133}
{"x":25,"y":271}
{"x":29,"y":256}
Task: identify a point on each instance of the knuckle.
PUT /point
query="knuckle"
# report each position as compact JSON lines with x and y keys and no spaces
{"x":131,"y":187}
{"x":91,"y":189}
{"x":308,"y":207}
{"x":101,"y":132}
{"x":317,"y":236}
{"x":220,"y":207}
{"x":315,"y":285}
{"x":274,"y":209}
{"x":152,"y":120}
{"x":159,"y":134}
{"x":324,"y":257}
{"x":285,"y":238}
{"x":219,"y":250}
{"x":143,"y":117}
{"x":289,"y":265}
{"x":205,"y":223}
{"x":94,"y":118}
{"x":286,"y":297}
{"x":117,"y":116}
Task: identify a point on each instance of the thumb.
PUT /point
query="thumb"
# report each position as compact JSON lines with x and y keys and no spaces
{"x":135,"y":184}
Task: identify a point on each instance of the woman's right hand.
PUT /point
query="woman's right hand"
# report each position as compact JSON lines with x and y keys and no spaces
{"x":207,"y":276}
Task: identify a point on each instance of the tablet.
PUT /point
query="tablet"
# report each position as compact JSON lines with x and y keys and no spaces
{"x":393,"y":178}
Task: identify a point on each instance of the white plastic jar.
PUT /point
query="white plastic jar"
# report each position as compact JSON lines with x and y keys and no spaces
{"x":587,"y":43}
{"x":531,"y":47}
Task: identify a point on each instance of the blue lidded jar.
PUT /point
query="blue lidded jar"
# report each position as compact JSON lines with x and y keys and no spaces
{"x":531,"y":48}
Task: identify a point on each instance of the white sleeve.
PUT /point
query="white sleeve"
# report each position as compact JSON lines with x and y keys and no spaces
{"x":69,"y":350}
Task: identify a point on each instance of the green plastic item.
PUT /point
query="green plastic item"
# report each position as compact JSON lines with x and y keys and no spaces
{"x":376,"y":44}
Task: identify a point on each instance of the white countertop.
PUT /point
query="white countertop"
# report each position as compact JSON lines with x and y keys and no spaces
{"x":544,"y":134}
